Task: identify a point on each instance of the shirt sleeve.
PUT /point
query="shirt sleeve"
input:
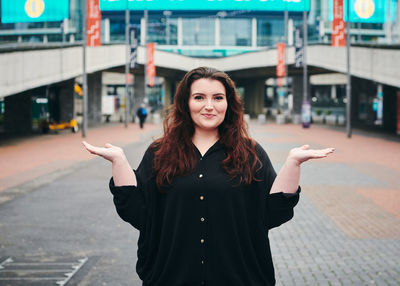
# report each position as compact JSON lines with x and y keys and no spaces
{"x":279,"y":206}
{"x":130,"y":201}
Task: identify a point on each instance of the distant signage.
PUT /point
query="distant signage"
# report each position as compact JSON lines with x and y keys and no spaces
{"x":151,"y":67}
{"x":298,"y":44}
{"x":367,"y":11}
{"x":93,"y":23}
{"x":338,"y":25}
{"x":280,"y":67}
{"x":258,"y":5}
{"x":133,"y":47}
{"x":18,"y":11}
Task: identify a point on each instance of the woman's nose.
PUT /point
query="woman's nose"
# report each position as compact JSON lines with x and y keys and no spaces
{"x":209,"y":105}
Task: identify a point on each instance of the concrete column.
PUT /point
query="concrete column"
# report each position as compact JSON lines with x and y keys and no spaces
{"x":94,"y":98}
{"x":168,"y":85}
{"x":138,"y":89}
{"x":254,"y":93}
{"x":180,"y":32}
{"x":217,"y":32}
{"x":66,"y":100}
{"x":254,"y":32}
{"x":297,"y":88}
{"x":18,"y":113}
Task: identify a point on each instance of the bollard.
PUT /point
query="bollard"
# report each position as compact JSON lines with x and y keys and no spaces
{"x":156,"y":118}
{"x":296,"y":119}
{"x":261,"y":119}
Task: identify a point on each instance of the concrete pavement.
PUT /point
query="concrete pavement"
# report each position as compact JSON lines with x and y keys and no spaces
{"x":346,"y":229}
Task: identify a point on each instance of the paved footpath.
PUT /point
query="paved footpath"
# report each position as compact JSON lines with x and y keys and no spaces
{"x":346,"y":229}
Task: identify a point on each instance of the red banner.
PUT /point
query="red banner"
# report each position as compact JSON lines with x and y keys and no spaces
{"x":151,"y":67}
{"x":93,"y":23}
{"x":338,"y":25}
{"x":280,"y":67}
{"x":398,"y":112}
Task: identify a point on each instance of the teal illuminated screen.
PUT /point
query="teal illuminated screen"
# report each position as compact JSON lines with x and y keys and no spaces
{"x":253,"y":5}
{"x":17,"y":11}
{"x":367,"y":11}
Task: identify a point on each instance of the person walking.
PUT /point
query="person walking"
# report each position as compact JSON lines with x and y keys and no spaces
{"x":142,"y":114}
{"x":205,"y":194}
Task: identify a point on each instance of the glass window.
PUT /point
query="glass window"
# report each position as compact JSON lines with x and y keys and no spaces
{"x":235,"y":32}
{"x":269,"y":31}
{"x":163,"y":31}
{"x":198,"y":31}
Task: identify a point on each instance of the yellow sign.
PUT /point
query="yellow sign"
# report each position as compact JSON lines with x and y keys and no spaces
{"x":34,"y":8}
{"x":364,"y":8}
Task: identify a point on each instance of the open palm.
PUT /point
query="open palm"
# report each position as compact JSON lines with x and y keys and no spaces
{"x":108,"y":152}
{"x":303,"y":153}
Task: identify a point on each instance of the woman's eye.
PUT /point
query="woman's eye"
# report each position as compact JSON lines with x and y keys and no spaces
{"x":219,"y":98}
{"x":198,"y":97}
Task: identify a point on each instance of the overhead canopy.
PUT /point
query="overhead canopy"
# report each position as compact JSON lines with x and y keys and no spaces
{"x":253,"y":5}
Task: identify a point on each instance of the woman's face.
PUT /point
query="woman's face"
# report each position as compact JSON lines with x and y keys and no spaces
{"x":207,"y":104}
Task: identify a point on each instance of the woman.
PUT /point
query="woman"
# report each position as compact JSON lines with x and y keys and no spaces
{"x":205,"y":194}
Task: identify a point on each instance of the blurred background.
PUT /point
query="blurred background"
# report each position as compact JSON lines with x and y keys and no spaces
{"x":69,"y":64}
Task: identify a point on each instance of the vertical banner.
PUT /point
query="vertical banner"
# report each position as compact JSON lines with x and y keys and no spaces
{"x":93,"y":23}
{"x":151,"y":67}
{"x":398,"y":112}
{"x":133,"y":44}
{"x":298,"y":43}
{"x":280,"y":67}
{"x":338,"y":25}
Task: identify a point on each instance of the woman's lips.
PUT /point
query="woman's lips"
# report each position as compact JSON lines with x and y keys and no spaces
{"x":208,"y":115}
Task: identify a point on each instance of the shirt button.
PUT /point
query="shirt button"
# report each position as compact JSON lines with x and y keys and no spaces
{"x":202,"y":262}
{"x":202,"y":241}
{"x":201,"y":176}
{"x":202,"y":219}
{"x":201,"y":198}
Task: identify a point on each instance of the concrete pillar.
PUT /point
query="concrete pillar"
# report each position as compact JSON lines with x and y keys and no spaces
{"x":138,"y":89}
{"x":254,"y":93}
{"x":66,"y":100}
{"x":168,"y":86}
{"x":94,"y":98}
{"x":297,"y":91}
{"x":18,"y":113}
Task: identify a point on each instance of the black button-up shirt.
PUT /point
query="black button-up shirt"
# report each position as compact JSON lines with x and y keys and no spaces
{"x":205,"y":228}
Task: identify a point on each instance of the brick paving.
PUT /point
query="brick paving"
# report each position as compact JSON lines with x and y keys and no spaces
{"x":346,"y":229}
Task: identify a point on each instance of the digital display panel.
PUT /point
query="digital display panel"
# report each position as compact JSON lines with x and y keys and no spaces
{"x":251,"y":5}
{"x":367,"y":11}
{"x":17,"y":11}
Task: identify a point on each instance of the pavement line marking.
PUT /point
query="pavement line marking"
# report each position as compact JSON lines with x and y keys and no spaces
{"x":69,"y":275}
{"x":8,"y":260}
{"x":35,"y":270}
{"x":31,"y":278}
{"x":43,"y":263}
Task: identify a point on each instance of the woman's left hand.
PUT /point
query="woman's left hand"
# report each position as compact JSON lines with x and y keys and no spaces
{"x":301,"y":154}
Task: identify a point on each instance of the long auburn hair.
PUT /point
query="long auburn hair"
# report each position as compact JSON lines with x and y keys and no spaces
{"x":174,"y":153}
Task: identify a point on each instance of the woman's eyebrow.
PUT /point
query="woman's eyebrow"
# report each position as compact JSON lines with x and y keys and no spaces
{"x":200,"y":93}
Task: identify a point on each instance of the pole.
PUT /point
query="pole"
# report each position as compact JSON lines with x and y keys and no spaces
{"x":84,"y":75}
{"x":286,"y":53}
{"x":305,"y":71}
{"x":145,"y":50}
{"x":348,"y":86}
{"x":127,"y":101}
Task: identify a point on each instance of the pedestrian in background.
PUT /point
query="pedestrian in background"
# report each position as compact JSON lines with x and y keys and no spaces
{"x":205,"y":194}
{"x":142,"y":114}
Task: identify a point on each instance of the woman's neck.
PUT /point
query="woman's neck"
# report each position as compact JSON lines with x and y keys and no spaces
{"x":203,"y":140}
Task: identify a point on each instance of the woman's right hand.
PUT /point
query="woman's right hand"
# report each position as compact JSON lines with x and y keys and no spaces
{"x":109,"y":152}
